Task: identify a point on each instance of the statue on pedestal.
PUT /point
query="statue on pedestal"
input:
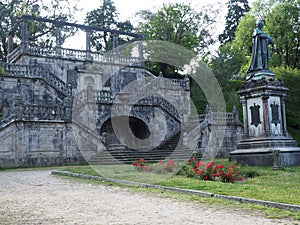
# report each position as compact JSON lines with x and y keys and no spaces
{"x":260,"y":53}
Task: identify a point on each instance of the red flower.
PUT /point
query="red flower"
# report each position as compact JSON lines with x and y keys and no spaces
{"x":195,"y":169}
{"x":201,"y":172}
{"x":141,"y":165}
{"x":206,"y":178}
{"x":198,"y":164}
{"x":231,"y":167}
{"x":192,"y":159}
{"x":209,"y":165}
{"x":135,"y":164}
{"x":141,"y":160}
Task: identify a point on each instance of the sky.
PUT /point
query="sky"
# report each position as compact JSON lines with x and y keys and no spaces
{"x":128,"y":8}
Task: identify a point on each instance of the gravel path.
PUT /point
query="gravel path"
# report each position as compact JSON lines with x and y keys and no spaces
{"x":36,"y":197}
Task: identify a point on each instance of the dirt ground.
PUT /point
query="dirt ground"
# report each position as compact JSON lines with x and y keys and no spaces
{"x":37,"y":197}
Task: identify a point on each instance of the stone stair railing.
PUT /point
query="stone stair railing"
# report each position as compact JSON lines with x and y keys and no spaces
{"x":76,"y":54}
{"x":36,"y":71}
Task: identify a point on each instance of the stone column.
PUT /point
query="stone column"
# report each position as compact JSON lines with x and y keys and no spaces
{"x":115,"y":41}
{"x":141,"y":54}
{"x":245,"y":117}
{"x":58,"y":40}
{"x":283,"y":116}
{"x":266,"y":122}
{"x":10,"y":44}
{"x":24,"y":36}
{"x":88,"y":44}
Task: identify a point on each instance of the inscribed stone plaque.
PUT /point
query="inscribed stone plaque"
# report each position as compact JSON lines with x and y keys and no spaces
{"x":275,"y":113}
{"x":255,"y":115}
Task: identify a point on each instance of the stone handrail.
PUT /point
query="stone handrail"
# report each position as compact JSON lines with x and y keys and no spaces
{"x":159,"y":83}
{"x":150,"y":99}
{"x":35,"y":113}
{"x":76,"y":54}
{"x":92,"y":96}
{"x":216,"y":118}
{"x":38,"y":112}
{"x":36,"y":71}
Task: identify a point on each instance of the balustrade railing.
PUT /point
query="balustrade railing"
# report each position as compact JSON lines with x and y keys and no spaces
{"x":36,"y":71}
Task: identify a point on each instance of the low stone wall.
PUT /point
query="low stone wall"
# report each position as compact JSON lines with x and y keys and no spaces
{"x":30,"y":144}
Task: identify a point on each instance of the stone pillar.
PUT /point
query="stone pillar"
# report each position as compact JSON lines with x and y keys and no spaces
{"x":88,"y":44}
{"x":58,"y":40}
{"x":283,"y":115}
{"x":10,"y":44}
{"x":141,"y":53}
{"x":245,"y":118}
{"x":115,"y":40}
{"x":24,"y":36}
{"x":266,"y":123}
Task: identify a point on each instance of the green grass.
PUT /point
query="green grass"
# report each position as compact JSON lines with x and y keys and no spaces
{"x":272,"y":185}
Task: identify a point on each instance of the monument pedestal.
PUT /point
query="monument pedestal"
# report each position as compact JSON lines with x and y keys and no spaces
{"x":266,"y":141}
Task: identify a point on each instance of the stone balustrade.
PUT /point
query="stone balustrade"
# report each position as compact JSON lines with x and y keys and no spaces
{"x":36,"y":71}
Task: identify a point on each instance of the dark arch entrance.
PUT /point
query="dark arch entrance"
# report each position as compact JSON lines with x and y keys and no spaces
{"x":112,"y":132}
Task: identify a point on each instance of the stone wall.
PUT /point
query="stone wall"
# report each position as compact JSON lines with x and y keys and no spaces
{"x":25,"y":144}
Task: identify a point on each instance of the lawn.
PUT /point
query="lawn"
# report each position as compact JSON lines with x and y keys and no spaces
{"x":271,"y":185}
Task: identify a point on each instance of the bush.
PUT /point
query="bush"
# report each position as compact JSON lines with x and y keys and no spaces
{"x":208,"y":171}
{"x":194,"y":168}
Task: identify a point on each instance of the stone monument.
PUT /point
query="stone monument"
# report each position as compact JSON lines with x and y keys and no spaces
{"x":266,"y":141}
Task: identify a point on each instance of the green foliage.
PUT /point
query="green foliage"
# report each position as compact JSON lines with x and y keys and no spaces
{"x":11,"y":10}
{"x":282,"y":24}
{"x":106,"y":16}
{"x":236,"y":10}
{"x":243,"y":35}
{"x":179,"y":24}
{"x":198,"y":98}
{"x":291,"y":79}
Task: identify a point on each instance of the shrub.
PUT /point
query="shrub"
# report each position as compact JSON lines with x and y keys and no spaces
{"x":208,"y":171}
{"x":161,"y":167}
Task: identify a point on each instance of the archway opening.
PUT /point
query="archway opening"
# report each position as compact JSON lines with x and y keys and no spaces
{"x":112,"y":133}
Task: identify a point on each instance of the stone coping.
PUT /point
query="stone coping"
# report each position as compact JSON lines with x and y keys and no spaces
{"x":294,"y":208}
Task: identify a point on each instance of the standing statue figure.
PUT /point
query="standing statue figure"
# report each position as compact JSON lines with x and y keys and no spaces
{"x":260,"y":53}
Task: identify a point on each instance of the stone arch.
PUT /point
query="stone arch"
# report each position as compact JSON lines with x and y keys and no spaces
{"x":137,"y":126}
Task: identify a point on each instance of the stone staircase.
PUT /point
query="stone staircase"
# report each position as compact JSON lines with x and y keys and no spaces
{"x":117,"y":153}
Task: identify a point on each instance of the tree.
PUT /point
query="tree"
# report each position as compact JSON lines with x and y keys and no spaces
{"x":12,"y":10}
{"x":106,"y":17}
{"x":179,"y":24}
{"x":283,"y":26}
{"x":236,"y":10}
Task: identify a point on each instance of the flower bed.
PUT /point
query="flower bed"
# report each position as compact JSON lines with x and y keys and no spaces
{"x":194,"y":168}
